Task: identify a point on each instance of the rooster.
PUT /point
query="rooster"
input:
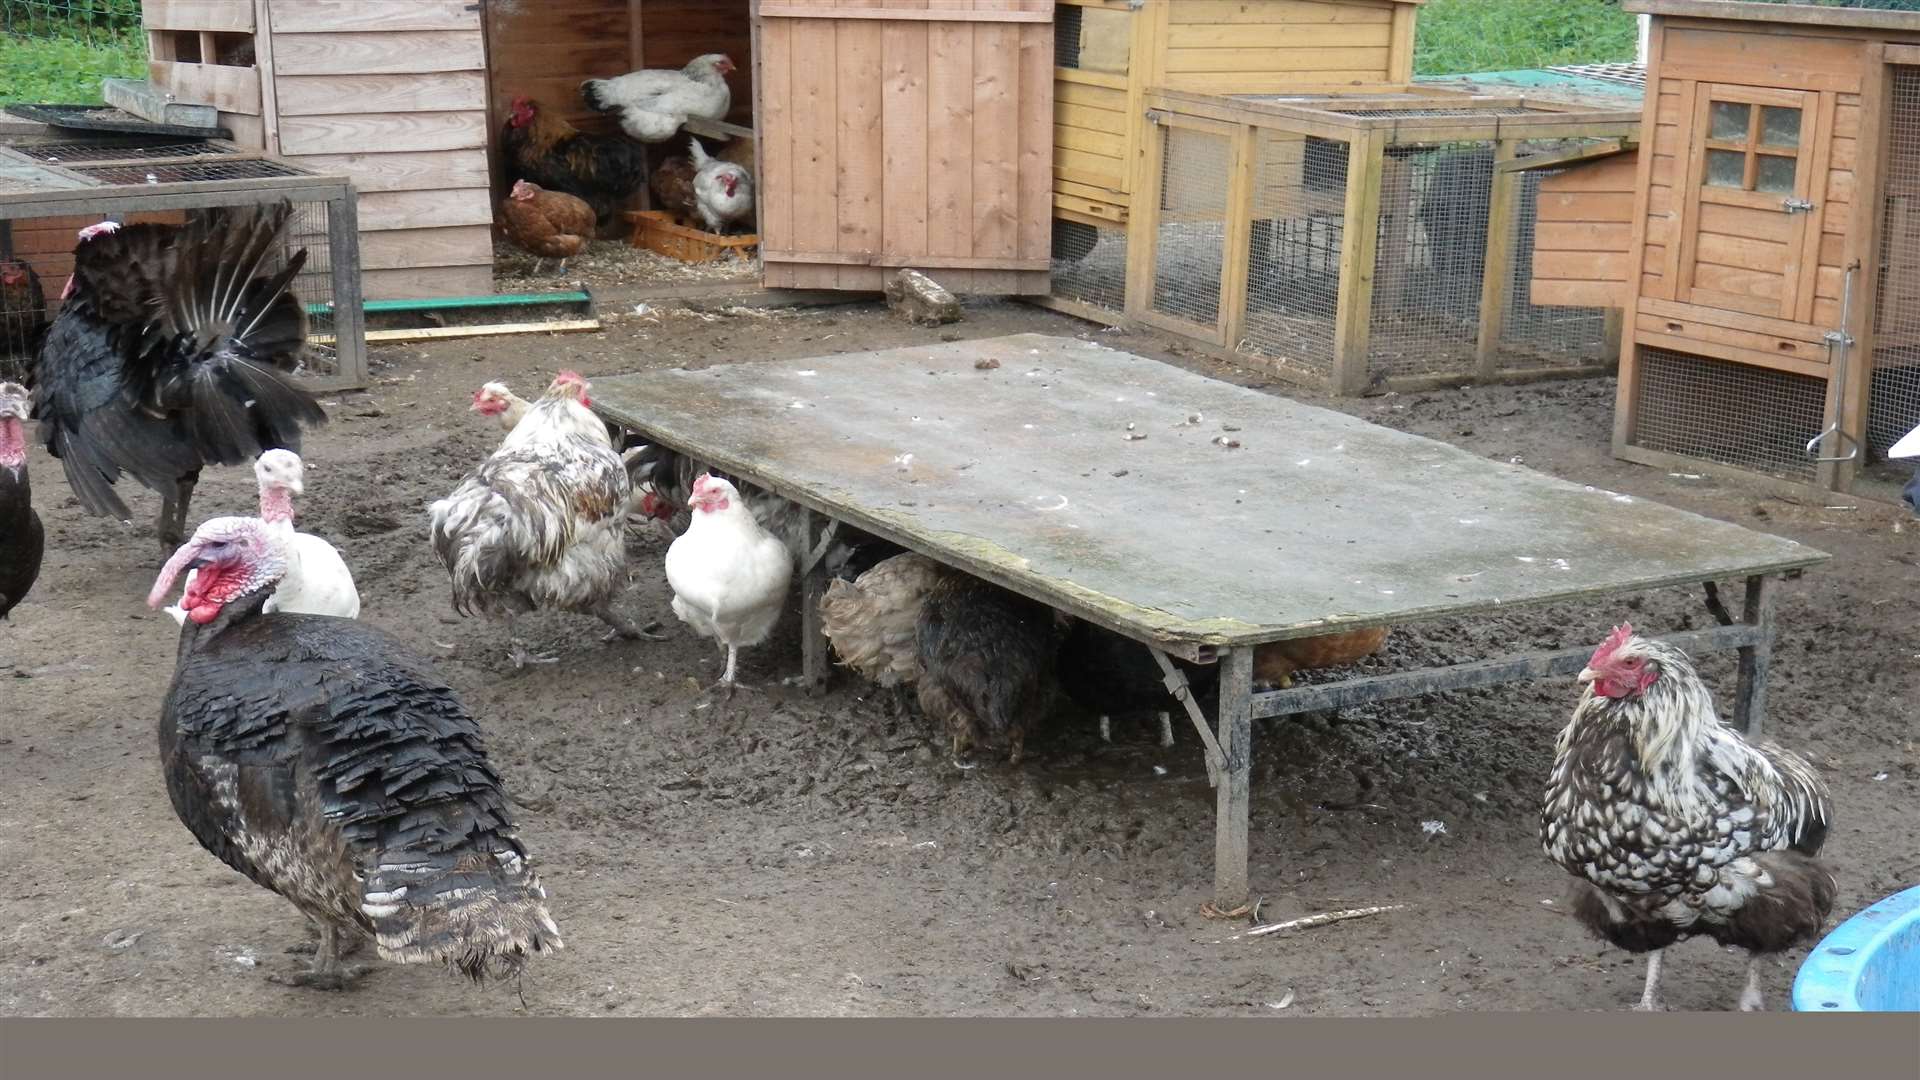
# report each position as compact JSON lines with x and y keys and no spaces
{"x":1673,"y":825}
{"x":22,"y":538}
{"x":652,"y":104}
{"x":985,"y":657}
{"x":542,"y":522}
{"x":173,"y":351}
{"x":603,"y":170}
{"x":548,"y":224}
{"x":722,"y":190}
{"x":23,"y":319}
{"x":729,"y":576}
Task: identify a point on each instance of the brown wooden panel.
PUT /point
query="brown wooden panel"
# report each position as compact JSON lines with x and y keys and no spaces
{"x":1765,"y":58}
{"x":427,"y":170}
{"x":427,"y":282}
{"x":1245,"y":13}
{"x":335,"y":16}
{"x":221,"y":15}
{"x":1586,"y":206}
{"x":317,"y":95}
{"x":400,"y":53}
{"x":399,"y":131}
{"x":950,"y":140}
{"x":1546,"y":293}
{"x":1583,"y":236}
{"x":382,"y":210}
{"x":861,"y":153}
{"x":226,"y":88}
{"x":401,"y":249}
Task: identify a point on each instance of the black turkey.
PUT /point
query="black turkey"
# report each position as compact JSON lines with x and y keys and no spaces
{"x":22,"y":540}
{"x":319,"y":757}
{"x":1110,"y":675}
{"x":1674,"y":826}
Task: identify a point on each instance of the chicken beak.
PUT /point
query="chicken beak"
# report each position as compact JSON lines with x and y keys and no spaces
{"x":1588,"y":675}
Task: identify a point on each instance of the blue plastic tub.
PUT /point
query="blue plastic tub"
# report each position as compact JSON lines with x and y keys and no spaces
{"x":1870,"y":963}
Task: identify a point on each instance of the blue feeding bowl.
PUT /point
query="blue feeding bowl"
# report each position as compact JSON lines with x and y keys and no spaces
{"x":1870,"y":963}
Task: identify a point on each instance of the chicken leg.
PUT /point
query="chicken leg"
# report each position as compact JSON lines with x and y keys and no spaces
{"x":626,"y":628}
{"x":517,"y":650}
{"x":1751,"y":999}
{"x":328,"y":972}
{"x":1650,"y":997}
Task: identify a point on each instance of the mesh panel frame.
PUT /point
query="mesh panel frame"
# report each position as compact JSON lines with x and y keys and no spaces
{"x":1298,"y":228}
{"x":1894,"y":395}
{"x":1734,"y":414}
{"x":1189,"y":255}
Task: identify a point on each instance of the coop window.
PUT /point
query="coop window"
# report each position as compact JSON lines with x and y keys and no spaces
{"x":1752,"y":146}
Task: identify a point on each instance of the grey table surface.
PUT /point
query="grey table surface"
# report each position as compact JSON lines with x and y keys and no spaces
{"x":1024,"y":474}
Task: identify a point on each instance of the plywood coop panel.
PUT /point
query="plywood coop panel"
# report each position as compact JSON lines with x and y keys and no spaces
{"x":1760,"y":233}
{"x":1583,"y":238}
{"x":906,"y":133}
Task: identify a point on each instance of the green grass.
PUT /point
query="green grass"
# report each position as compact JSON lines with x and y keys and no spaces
{"x":64,"y":70}
{"x":1459,"y":36}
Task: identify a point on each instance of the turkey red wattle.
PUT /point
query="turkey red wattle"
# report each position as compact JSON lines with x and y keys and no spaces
{"x":13,"y":443}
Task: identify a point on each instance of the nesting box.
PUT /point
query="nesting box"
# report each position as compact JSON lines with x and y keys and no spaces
{"x":1771,"y":242}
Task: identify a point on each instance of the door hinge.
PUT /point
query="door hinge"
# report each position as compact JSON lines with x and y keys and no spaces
{"x":1795,"y":206}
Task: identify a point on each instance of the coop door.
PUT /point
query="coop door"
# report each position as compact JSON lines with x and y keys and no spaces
{"x":1753,"y":204}
{"x":910,"y":135}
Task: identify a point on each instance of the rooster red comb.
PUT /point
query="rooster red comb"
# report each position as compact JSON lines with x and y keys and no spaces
{"x":570,"y":380}
{"x":1607,"y":648}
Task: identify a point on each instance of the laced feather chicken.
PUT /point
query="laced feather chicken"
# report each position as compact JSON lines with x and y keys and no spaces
{"x":22,"y":538}
{"x":324,"y":760}
{"x":541,"y":524}
{"x":1674,"y":826}
{"x":173,"y":351}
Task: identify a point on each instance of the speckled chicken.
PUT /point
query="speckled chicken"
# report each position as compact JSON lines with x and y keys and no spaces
{"x":1674,"y":826}
{"x":322,"y":759}
{"x":986,"y":656}
{"x":548,"y":224}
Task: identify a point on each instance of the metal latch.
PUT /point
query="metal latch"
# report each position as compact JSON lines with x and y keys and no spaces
{"x":1795,"y":206}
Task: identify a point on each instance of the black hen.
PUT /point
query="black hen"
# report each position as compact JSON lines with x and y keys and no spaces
{"x":171,"y":352}
{"x":1110,"y":675}
{"x":322,"y":759}
{"x":22,"y":540}
{"x":985,"y":656}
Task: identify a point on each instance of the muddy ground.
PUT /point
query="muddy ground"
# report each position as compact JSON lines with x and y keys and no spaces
{"x":818,"y":856}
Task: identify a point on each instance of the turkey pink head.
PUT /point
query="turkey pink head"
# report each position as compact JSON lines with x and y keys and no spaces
{"x":492,"y":399}
{"x":14,"y":406}
{"x":710,"y":494}
{"x":282,"y":476}
{"x":1620,"y":667}
{"x":570,"y":384}
{"x":524,"y":190}
{"x":233,"y":557}
{"x":520,"y":112}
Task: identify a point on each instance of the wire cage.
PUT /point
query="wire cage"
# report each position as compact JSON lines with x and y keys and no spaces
{"x":55,"y":184}
{"x":1354,"y":242}
{"x":91,"y":22}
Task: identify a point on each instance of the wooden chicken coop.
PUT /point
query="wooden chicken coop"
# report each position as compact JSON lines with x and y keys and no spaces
{"x":884,"y":133}
{"x":1764,"y":242}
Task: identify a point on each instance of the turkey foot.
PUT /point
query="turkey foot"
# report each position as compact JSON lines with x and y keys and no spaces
{"x":627,"y":628}
{"x":1650,"y":997}
{"x":327,"y":973}
{"x":1751,"y":999}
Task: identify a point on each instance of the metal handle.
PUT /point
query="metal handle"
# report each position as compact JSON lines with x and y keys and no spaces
{"x":1795,"y":206}
{"x":1838,"y":342}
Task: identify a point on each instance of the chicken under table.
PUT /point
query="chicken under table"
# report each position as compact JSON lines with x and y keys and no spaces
{"x":1145,"y":498}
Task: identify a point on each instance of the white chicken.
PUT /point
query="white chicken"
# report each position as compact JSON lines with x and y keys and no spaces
{"x":652,"y":104}
{"x":722,"y":190}
{"x":542,"y":522}
{"x":317,"y":581}
{"x":495,"y":400}
{"x":729,"y":575}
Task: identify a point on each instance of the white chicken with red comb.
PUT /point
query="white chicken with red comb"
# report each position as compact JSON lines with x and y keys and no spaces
{"x":729,"y":575}
{"x":1674,"y":826}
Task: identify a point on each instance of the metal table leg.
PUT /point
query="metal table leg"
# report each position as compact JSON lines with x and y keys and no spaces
{"x":1236,"y":777}
{"x":1750,"y":699}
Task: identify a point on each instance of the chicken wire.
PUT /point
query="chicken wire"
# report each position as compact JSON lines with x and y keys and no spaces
{"x":1894,"y":394}
{"x":1293,"y":278}
{"x":1190,"y":248}
{"x":1090,"y":264}
{"x":93,"y":22}
{"x":1425,"y":317}
{"x":1747,"y":417}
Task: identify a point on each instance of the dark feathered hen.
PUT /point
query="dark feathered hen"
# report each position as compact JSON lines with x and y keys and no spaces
{"x":323,"y":760}
{"x":1110,"y":675}
{"x":1674,"y":826}
{"x":171,"y":352}
{"x":22,"y":539}
{"x":986,"y":655}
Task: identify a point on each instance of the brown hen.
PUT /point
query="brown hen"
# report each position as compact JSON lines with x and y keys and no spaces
{"x":548,"y":224}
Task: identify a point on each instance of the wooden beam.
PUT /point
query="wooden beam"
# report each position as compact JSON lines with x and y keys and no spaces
{"x":1496,"y":290}
{"x":1143,"y":232}
{"x":1359,"y":252}
{"x":976,"y":15}
{"x":1236,"y":266}
{"x":1233,"y":796}
{"x":440,"y":333}
{"x":1750,"y":696}
{"x":1626,"y":387}
{"x":1863,"y":246}
{"x":263,"y":63}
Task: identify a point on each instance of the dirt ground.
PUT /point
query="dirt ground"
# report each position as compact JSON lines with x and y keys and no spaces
{"x":817,"y":856}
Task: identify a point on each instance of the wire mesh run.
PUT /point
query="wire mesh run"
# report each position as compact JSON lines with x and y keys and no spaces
{"x":1293,"y":279}
{"x":81,"y":153}
{"x":1739,"y":415}
{"x":1067,"y":27}
{"x":174,"y":173}
{"x":1190,"y":249}
{"x":1090,"y":263}
{"x":1544,"y":336}
{"x":1894,"y":396}
{"x":1432,"y":257}
{"x":92,"y":22}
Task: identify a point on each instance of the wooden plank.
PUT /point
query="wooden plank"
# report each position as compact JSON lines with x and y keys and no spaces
{"x":381,"y":210}
{"x":1542,"y":292}
{"x":419,"y":170}
{"x":1286,"y":12}
{"x":1762,"y":325}
{"x":1366,"y":156}
{"x":1143,"y":230}
{"x":1068,"y":116}
{"x":909,"y":258}
{"x":1754,"y":358}
{"x":1034,"y":171}
{"x":398,"y":53}
{"x":996,"y":143}
{"x":430,"y":282}
{"x":1594,"y":236}
{"x":221,"y":15}
{"x":1763,"y":59}
{"x":1582,"y":265}
{"x":341,"y":16}
{"x":265,"y":52}
{"x":1786,"y":348}
{"x":774,"y":190}
{"x":318,"y":95}
{"x":1742,"y":252}
{"x":400,"y":249}
{"x":1776,"y":228}
{"x":1805,"y":276}
{"x":1105,"y":99}
{"x":904,"y":136}
{"x":1496,"y":288}
{"x":1585,"y":206}
{"x":1237,"y":247}
{"x":1400,"y":44}
{"x":228,"y":89}
{"x":401,"y":131}
{"x":815,"y":135}
{"x":1227,"y":37}
{"x":1233,"y":62}
{"x":1850,"y":401}
{"x":938,"y":15}
{"x":1654,"y":260}
{"x":1097,"y":143}
{"x":860,"y":158}
{"x":950,"y":173}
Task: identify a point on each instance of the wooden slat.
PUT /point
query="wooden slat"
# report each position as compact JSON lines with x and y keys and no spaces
{"x":1034,"y":173}
{"x":1754,"y":357}
{"x":774,"y":190}
{"x":1365,"y":160}
{"x":996,"y":141}
{"x":338,"y":16}
{"x":400,"y":131}
{"x":1742,"y":252}
{"x":903,"y":258}
{"x":1762,"y":325}
{"x":1081,"y":117}
{"x":1542,"y":292}
{"x":1225,"y":37}
{"x":227,"y":89}
{"x":950,"y":139}
{"x":977,"y":15}
{"x":904,"y":136}
{"x":1803,"y":272}
{"x":1256,"y":12}
{"x":1796,"y":348}
{"x":1613,"y":236}
{"x":382,"y":210}
{"x":1759,"y":59}
{"x":222,"y":15}
{"x":429,"y":170}
{"x":1185,"y":62}
{"x":815,"y":135}
{"x":400,"y":53}
{"x":430,"y":282}
{"x":861,"y":156}
{"x":1581,"y":265}
{"x":400,"y":249}
{"x":316,"y":95}
{"x":1586,"y":206}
